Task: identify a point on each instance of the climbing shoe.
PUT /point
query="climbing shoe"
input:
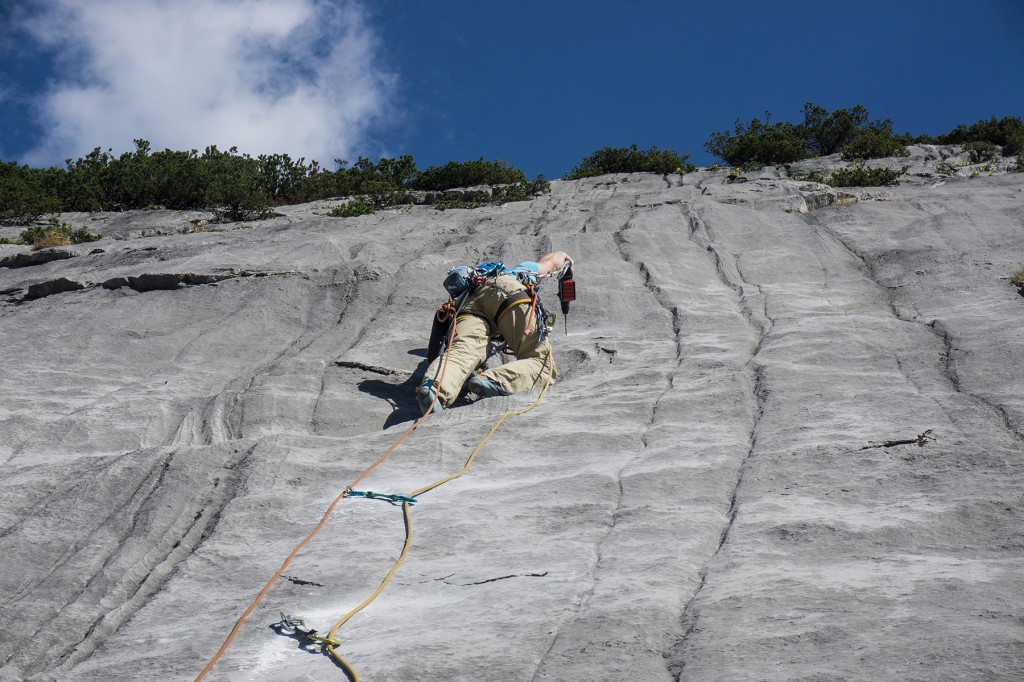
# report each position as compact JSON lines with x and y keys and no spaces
{"x":484,"y":387}
{"x":425,"y":397}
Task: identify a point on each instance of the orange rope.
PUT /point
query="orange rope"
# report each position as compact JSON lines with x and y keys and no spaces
{"x":533,"y":310}
{"x":323,"y":520}
{"x":445,"y":311}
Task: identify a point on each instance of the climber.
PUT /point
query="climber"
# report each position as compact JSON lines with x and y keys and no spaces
{"x":494,"y":300}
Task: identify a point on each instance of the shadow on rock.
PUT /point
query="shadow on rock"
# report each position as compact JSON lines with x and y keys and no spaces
{"x":402,"y":397}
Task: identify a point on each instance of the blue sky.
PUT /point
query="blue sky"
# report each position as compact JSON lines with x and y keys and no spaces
{"x":538,"y":84}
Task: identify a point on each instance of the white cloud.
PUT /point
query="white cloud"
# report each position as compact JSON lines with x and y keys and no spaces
{"x":268,"y":76}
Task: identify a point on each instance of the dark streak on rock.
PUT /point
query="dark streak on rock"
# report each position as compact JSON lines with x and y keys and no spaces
{"x":165,"y":282}
{"x":504,"y":577}
{"x":22,"y":260}
{"x":919,"y":441}
{"x":351,"y":364}
{"x":299,"y":581}
{"x":140,"y":283}
{"x":51,"y":287}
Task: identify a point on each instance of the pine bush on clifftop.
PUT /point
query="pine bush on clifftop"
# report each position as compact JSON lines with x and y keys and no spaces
{"x":631,"y":160}
{"x":466,"y":174}
{"x":1007,"y":132}
{"x":848,"y":131}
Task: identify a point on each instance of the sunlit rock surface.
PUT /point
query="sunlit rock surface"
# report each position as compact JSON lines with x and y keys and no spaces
{"x":786,"y":441}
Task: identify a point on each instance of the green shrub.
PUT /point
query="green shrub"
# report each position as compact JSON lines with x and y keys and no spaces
{"x":367,"y":177}
{"x":177,"y":180}
{"x":236,"y":186}
{"x":1019,"y":166}
{"x":453,"y":200}
{"x":382,"y":193}
{"x":234,"y":189}
{"x":874,"y":141}
{"x":826,"y":133}
{"x":813,"y":176}
{"x":383,"y":183}
{"x":861,"y":176}
{"x":352,"y":209}
{"x":980,"y":150}
{"x":82,"y":188}
{"x":520,"y":191}
{"x":55,"y":233}
{"x":1007,"y":132}
{"x":758,"y":143}
{"x":822,"y":133}
{"x":399,"y":172}
{"x":283,"y":180}
{"x":456,"y":174}
{"x":23,"y":196}
{"x":1014,"y":146}
{"x":631,"y":160}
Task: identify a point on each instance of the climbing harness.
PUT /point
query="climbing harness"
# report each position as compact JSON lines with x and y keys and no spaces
{"x":515,"y":299}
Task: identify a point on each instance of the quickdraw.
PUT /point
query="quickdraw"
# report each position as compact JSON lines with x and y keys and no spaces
{"x":369,"y":494}
{"x":295,"y":626}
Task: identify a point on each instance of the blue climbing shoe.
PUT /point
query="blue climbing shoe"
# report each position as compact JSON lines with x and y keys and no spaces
{"x":486,"y":388}
{"x":425,"y":397}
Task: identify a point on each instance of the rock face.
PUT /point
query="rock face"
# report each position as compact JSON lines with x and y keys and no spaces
{"x":786,"y":442}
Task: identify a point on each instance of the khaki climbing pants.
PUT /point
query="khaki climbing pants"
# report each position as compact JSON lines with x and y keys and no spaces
{"x":531,"y":368}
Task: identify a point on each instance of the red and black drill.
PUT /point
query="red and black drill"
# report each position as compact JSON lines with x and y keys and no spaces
{"x":566,"y":293}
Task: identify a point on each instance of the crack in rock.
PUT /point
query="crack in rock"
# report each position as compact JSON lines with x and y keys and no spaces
{"x":493,"y":580}
{"x":141,"y":283}
{"x":163,"y":281}
{"x":299,"y":581}
{"x":919,"y":441}
{"x":762,"y":323}
{"x":51,"y":287}
{"x":375,"y":369}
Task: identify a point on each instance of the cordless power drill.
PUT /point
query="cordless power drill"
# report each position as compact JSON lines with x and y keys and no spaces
{"x":566,"y":294}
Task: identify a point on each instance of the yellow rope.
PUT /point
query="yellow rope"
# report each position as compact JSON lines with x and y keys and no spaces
{"x":349,"y":670}
{"x":353,"y":675}
{"x":330,"y":510}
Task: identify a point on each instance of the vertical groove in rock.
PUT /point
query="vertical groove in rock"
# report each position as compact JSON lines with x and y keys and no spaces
{"x":759,"y":320}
